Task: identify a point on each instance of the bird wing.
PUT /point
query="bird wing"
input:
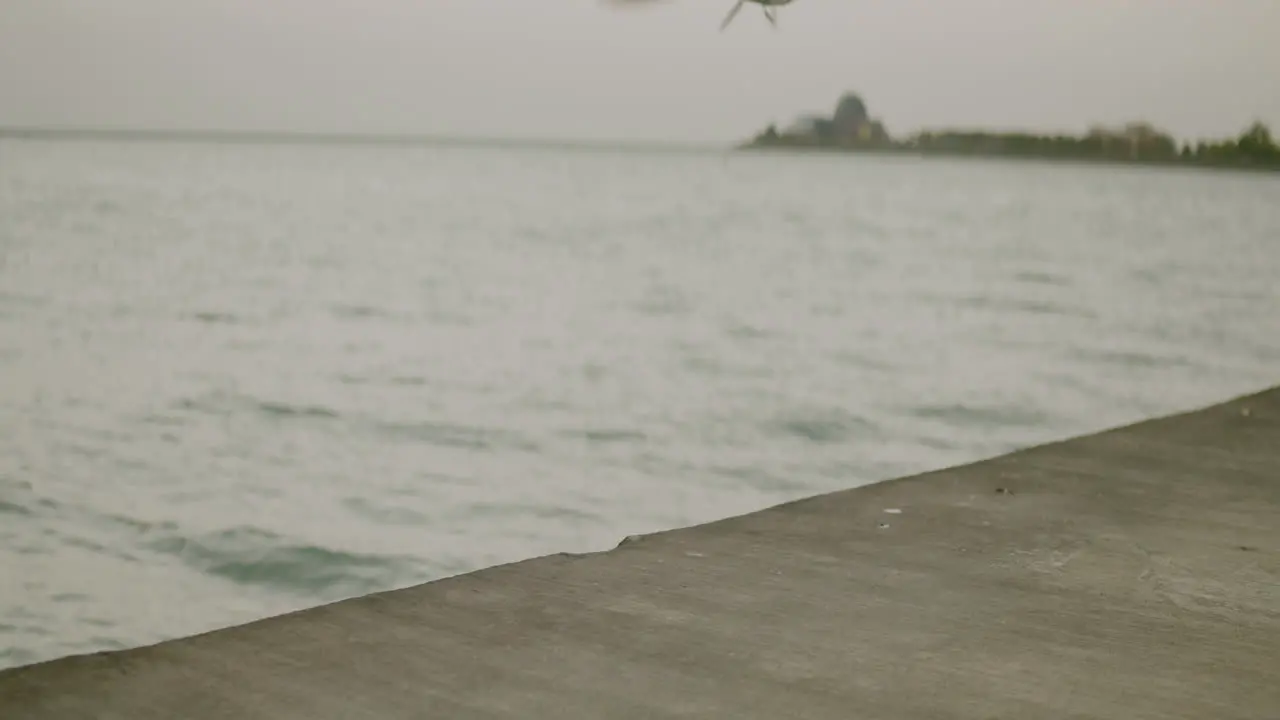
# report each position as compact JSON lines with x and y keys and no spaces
{"x":733,"y":12}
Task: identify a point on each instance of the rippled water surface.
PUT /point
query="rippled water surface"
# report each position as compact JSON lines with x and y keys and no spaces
{"x":243,"y":379}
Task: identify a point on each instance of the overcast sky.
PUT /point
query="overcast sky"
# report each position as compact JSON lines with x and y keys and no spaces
{"x":582,"y":69}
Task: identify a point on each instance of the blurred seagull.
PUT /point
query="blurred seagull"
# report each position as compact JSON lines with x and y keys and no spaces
{"x":770,"y":8}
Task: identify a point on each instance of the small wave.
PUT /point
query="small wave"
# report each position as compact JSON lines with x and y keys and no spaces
{"x":99,"y":643}
{"x":539,"y":511}
{"x":106,"y":207}
{"x":360,"y":312}
{"x":8,"y":508}
{"x":458,"y":436}
{"x":1027,"y":306}
{"x":1157,"y":275}
{"x":760,"y":479}
{"x":22,"y":501}
{"x":1042,"y":278}
{"x":286,"y":410}
{"x":141,"y":526}
{"x":381,"y":513}
{"x":95,"y":547}
{"x":610,"y":435}
{"x":825,"y":427}
{"x":16,"y":657}
{"x":1130,"y":358}
{"x":860,"y":360}
{"x":402,"y":381}
{"x":86,"y":451}
{"x":664,"y":300}
{"x":704,"y":365}
{"x":163,"y":420}
{"x":224,"y":404}
{"x":413,"y":380}
{"x":253,"y":556}
{"x":744,"y":331}
{"x":212,"y":404}
{"x":215,"y":318}
{"x":937,"y":443}
{"x":962,"y":415}
{"x":9,"y":299}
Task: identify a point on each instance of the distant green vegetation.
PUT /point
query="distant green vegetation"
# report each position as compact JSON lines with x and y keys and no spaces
{"x":852,"y":129}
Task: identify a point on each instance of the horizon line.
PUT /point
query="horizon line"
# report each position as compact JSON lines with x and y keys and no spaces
{"x":308,"y":137}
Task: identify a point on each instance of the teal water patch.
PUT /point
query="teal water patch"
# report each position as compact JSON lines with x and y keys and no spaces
{"x":16,"y":656}
{"x":9,"y":508}
{"x":253,"y":556}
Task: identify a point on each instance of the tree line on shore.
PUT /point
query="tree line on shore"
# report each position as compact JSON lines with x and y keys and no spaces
{"x":852,"y":128}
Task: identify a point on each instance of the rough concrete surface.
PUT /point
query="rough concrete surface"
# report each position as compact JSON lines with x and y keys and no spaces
{"x":1130,"y":574}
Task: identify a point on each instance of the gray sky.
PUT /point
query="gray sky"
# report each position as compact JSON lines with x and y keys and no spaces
{"x":580,"y":69}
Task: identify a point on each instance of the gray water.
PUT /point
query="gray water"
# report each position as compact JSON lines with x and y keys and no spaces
{"x":238,"y":380}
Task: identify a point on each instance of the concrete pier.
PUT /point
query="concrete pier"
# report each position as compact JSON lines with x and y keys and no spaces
{"x":1130,"y":574}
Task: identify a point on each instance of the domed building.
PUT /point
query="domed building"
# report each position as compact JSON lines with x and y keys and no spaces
{"x":850,"y":126}
{"x":851,"y":114}
{"x":851,"y":122}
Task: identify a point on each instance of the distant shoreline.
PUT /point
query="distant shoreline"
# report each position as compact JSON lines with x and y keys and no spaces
{"x":906,"y":151}
{"x":764,"y":142}
{"x":851,"y":129}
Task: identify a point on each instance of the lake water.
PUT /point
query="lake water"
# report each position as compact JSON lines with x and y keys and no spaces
{"x":238,"y":380}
